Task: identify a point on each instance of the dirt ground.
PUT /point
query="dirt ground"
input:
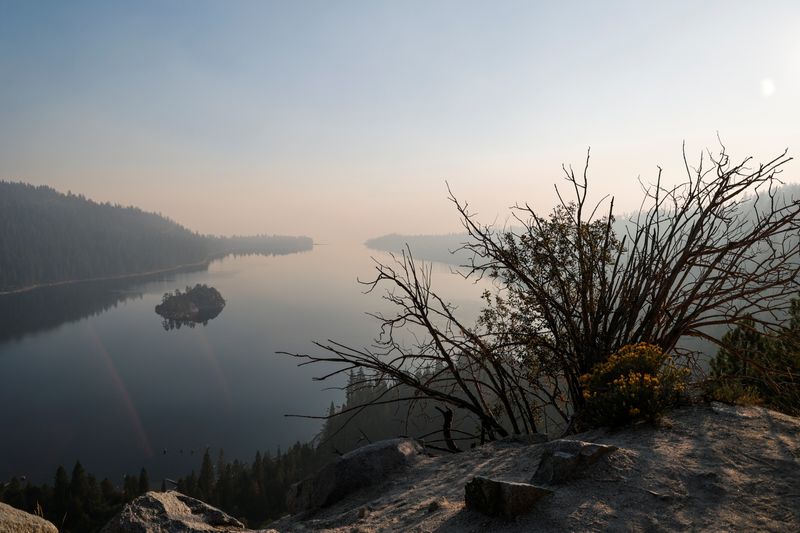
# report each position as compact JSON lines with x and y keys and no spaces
{"x":704,"y":468}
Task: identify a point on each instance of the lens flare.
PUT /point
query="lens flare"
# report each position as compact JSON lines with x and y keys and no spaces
{"x":213,"y":361}
{"x":122,"y":391}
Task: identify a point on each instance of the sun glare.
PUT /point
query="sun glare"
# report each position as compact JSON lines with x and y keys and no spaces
{"x":767,"y":87}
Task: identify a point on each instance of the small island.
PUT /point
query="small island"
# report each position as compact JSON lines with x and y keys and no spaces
{"x":195,"y":305}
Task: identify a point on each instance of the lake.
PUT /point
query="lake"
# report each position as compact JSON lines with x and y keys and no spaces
{"x":87,"y":372}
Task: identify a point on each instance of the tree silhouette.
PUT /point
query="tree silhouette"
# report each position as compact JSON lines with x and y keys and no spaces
{"x":144,"y":481}
{"x":719,"y":249}
{"x":205,"y":481}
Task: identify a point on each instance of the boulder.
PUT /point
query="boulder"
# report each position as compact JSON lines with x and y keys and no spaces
{"x":359,"y":468}
{"x":171,"y":512}
{"x":501,"y":498}
{"x":564,"y":459}
{"x":12,"y":520}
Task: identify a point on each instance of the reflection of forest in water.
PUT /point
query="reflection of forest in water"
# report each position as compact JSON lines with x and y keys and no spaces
{"x":30,"y":312}
{"x":38,"y":310}
{"x":202,"y":318}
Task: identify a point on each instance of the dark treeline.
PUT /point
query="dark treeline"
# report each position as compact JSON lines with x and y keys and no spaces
{"x":253,"y":492}
{"x":75,"y":503}
{"x":50,"y":237}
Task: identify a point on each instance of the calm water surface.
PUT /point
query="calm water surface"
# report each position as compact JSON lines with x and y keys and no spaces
{"x":88,"y":373}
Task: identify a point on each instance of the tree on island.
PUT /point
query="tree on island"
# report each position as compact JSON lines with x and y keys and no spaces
{"x":197,"y":304}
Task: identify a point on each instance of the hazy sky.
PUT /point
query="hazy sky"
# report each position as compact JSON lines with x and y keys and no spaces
{"x":342,"y":120}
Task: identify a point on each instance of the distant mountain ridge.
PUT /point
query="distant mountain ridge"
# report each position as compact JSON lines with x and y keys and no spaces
{"x":48,"y":237}
{"x":446,"y":248}
{"x":442,"y":248}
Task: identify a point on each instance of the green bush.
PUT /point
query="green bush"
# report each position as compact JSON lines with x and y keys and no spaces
{"x":636,"y":383}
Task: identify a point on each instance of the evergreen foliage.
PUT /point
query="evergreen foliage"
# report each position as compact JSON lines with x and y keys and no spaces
{"x":76,"y":503}
{"x":758,"y":367}
{"x":374,"y":410}
{"x":256,"y":492}
{"x":195,"y":305}
{"x":51,"y":237}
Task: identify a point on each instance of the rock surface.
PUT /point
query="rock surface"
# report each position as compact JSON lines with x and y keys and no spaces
{"x":363,"y":467}
{"x":502,"y":498}
{"x":528,"y":439}
{"x":13,"y":520}
{"x":565,"y":459}
{"x":171,"y":512}
{"x":702,"y":468}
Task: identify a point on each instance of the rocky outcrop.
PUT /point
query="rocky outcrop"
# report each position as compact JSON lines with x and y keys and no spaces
{"x":564,"y":459}
{"x":171,"y":512}
{"x":502,"y":498}
{"x":702,"y":468}
{"x":13,"y":520}
{"x":525,"y":439}
{"x":359,"y":468}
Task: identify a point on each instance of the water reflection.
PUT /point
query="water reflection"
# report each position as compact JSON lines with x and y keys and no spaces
{"x":40,"y":310}
{"x":201,"y":318}
{"x":111,"y":388}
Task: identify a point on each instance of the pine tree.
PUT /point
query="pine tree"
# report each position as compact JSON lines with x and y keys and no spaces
{"x":761,"y":367}
{"x":79,"y":484}
{"x":130,"y":487}
{"x":60,"y":493}
{"x":188,"y":485}
{"x":108,"y":492}
{"x":205,"y":482}
{"x":144,"y":481}
{"x":77,"y":516}
{"x":13,"y":494}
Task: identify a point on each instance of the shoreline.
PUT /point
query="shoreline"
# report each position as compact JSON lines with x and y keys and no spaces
{"x":200,"y":264}
{"x":179,"y":268}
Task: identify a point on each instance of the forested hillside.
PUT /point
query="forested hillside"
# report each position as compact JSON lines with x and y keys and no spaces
{"x":47,"y":237}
